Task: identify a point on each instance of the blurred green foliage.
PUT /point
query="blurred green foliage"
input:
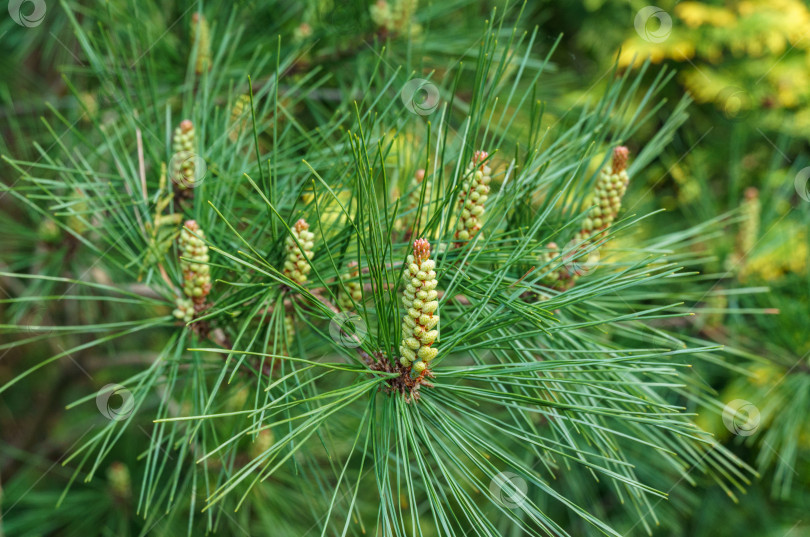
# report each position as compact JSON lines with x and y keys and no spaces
{"x":745,"y":63}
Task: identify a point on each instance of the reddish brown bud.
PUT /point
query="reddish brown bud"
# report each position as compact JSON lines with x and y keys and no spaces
{"x":421,"y":250}
{"x":620,"y":156}
{"x":301,"y":225}
{"x":479,"y":156}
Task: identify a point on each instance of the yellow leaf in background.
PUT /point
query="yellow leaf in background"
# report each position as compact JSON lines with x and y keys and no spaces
{"x":695,"y":14}
{"x":784,"y":252}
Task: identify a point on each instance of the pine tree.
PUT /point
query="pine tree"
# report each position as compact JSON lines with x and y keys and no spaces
{"x":324,"y":357}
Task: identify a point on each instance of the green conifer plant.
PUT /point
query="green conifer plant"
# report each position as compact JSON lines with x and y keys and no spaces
{"x":299,"y":252}
{"x":183,"y":172}
{"x":473,"y":196}
{"x":421,"y":321}
{"x":611,"y":184}
{"x":513,"y":417}
{"x":194,"y":265}
{"x":201,"y":38}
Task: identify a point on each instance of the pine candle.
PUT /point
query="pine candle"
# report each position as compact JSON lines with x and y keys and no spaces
{"x":183,"y":141}
{"x":750,"y":210}
{"x":239,"y":117}
{"x":194,"y":264}
{"x":201,"y":34}
{"x":420,"y":298}
{"x":297,"y":264}
{"x":473,"y":195}
{"x":610,"y":188}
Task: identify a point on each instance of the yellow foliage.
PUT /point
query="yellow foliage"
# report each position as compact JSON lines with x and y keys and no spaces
{"x":771,"y":30}
{"x":772,"y":260}
{"x":765,"y":375}
{"x":695,"y":14}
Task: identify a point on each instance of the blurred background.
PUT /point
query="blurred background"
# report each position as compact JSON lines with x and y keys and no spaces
{"x":741,"y":156}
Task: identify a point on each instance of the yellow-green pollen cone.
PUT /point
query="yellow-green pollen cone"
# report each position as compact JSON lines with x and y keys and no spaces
{"x":183,"y":172}
{"x":610,"y":188}
{"x":289,"y":328}
{"x":194,"y":264}
{"x":184,"y":309}
{"x":547,"y":257}
{"x":395,"y":16}
{"x":201,"y":34}
{"x":472,"y":197}
{"x":422,"y":318}
{"x":119,"y":478}
{"x":751,"y":210}
{"x":296,"y":266}
{"x":240,"y":115}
